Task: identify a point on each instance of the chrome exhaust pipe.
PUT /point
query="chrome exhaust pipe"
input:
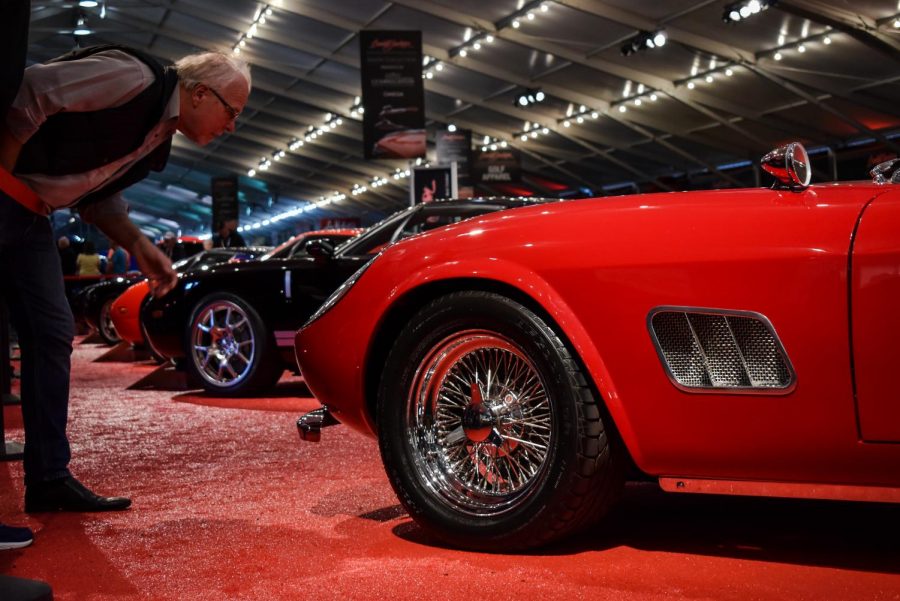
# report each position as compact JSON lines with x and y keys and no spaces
{"x":310,"y":425}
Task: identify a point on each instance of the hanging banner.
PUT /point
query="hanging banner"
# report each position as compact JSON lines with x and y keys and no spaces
{"x":497,"y":166}
{"x":456,"y":147}
{"x":392,"y":94}
{"x":431,"y":183}
{"x":224,"y":200}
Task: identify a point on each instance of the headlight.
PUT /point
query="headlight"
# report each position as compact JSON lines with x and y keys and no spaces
{"x":339,"y":293}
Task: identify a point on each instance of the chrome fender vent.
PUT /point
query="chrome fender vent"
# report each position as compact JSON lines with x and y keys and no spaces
{"x":714,"y":350}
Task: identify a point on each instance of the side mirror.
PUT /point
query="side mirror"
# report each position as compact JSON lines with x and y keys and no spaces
{"x":319,"y":249}
{"x":886,"y":172}
{"x":789,"y":164}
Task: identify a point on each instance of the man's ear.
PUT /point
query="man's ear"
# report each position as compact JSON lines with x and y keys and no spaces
{"x":197,"y":95}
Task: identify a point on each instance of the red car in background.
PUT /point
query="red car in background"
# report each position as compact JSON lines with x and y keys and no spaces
{"x":513,"y":366}
{"x":126,"y":309}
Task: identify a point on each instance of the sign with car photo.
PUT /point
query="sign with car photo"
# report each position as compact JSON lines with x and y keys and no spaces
{"x":393,"y":96}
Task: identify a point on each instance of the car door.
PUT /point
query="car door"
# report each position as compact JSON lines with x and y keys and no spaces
{"x":875,"y":318}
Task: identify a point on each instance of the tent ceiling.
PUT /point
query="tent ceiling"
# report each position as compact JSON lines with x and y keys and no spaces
{"x":305,"y":62}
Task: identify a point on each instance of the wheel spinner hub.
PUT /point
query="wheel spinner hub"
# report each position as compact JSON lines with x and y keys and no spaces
{"x":492,"y":419}
{"x":223,"y":343}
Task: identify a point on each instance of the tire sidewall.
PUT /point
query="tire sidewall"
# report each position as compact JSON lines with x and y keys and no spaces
{"x":102,"y":318}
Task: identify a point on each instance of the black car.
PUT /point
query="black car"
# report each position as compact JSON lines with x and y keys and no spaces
{"x":234,"y":325}
{"x":92,"y":303}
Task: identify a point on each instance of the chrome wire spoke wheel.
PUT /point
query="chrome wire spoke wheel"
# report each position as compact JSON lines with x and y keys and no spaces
{"x":480,"y":423}
{"x":222,"y":344}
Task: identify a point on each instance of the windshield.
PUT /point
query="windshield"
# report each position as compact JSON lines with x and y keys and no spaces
{"x":296,"y":246}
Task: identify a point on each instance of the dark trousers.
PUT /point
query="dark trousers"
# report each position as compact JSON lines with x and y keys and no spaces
{"x":31,"y":283}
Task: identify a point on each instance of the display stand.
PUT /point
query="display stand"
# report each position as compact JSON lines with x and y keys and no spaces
{"x":167,"y":377}
{"x":123,"y":353}
{"x":8,"y":450}
{"x":92,"y":338}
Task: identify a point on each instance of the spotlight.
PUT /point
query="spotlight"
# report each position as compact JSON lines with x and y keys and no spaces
{"x":81,"y":27}
{"x":529,"y":96}
{"x":643,"y":41}
{"x":738,"y":11}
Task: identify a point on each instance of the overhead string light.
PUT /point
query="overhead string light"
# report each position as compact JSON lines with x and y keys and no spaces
{"x":528,"y":13}
{"x":578,"y":115}
{"x":430,"y":66}
{"x":490,"y":143}
{"x":481,"y":39}
{"x":708,"y":76}
{"x":258,"y":20}
{"x":475,"y":43}
{"x":357,"y":110}
{"x":530,"y":131}
{"x":332,"y":121}
{"x":801,"y":45}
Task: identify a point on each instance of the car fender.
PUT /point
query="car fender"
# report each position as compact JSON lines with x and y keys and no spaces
{"x":530,"y":284}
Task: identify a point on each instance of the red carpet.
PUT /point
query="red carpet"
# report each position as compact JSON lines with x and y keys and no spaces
{"x":228,"y":504}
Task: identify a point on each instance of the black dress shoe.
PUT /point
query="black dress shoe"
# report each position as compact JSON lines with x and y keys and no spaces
{"x":68,"y":494}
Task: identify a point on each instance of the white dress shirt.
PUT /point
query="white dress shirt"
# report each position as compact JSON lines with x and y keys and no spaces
{"x":104,"y":80}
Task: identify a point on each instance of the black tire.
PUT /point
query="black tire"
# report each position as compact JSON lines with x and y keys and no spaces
{"x":505,"y":466}
{"x":240,"y":356}
{"x":105,"y":326}
{"x":145,"y":344}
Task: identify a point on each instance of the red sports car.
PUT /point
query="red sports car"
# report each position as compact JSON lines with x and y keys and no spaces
{"x":515,"y":365}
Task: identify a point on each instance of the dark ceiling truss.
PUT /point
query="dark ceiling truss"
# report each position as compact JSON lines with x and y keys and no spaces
{"x":255,"y":59}
{"x":695,"y":100}
{"x":595,"y":151}
{"x":300,"y":97}
{"x":809,"y":9}
{"x":643,"y":146}
{"x":853,"y":24}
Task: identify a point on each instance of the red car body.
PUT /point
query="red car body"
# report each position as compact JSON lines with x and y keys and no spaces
{"x":126,"y":312}
{"x":822,"y":265}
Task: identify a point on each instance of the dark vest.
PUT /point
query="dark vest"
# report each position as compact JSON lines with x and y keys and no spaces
{"x":76,"y":142}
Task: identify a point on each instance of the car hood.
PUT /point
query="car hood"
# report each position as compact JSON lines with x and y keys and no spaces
{"x":694,"y":223}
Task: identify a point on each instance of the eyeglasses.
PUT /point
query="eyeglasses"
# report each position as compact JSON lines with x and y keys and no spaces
{"x":231,"y":110}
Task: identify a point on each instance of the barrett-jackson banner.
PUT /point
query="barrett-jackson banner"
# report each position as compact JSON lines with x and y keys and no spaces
{"x":491,"y":166}
{"x":224,"y":200}
{"x":392,"y":94}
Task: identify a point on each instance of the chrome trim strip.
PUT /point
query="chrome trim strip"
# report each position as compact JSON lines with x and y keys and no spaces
{"x":793,"y":490}
{"x":768,"y":391}
{"x":287,"y":284}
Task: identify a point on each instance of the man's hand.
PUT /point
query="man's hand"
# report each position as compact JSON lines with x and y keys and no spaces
{"x":152,"y":261}
{"x":156,"y":266}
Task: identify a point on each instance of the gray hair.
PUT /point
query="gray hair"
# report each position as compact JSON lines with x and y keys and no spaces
{"x":211,"y":68}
